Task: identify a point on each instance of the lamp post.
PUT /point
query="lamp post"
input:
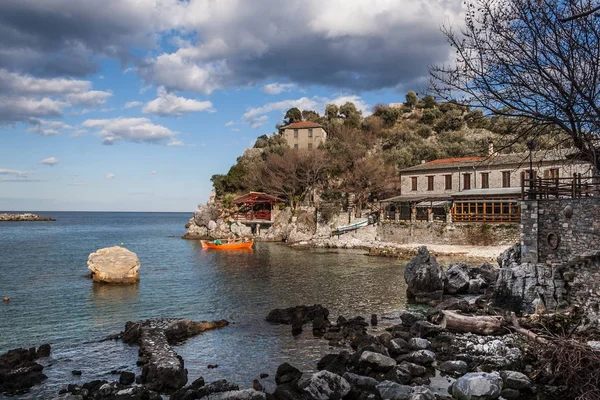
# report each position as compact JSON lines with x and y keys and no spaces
{"x":531,"y":147}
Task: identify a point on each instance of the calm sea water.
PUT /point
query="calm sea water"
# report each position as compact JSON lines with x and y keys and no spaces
{"x":43,"y":268}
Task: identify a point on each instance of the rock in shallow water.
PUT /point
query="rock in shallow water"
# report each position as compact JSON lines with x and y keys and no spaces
{"x":114,"y":265}
{"x":424,"y":278}
{"x":477,"y":386}
{"x":19,"y":371}
{"x":377,"y":362}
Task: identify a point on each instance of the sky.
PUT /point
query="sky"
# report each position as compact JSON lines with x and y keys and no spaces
{"x":132,"y":105}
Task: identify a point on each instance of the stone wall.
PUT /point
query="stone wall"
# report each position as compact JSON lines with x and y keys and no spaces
{"x":442,"y":233}
{"x":548,"y":234}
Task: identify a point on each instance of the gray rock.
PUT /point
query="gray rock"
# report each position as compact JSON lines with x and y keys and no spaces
{"x":246,"y":394}
{"x":453,"y":367}
{"x":424,"y":278}
{"x":68,"y":396}
{"x":510,"y":256}
{"x":360,"y":382}
{"x":421,"y":393}
{"x":510,"y":394}
{"x":477,"y":386}
{"x":325,"y":385}
{"x":457,"y":279}
{"x":515,"y":380}
{"x":412,"y":368}
{"x":419,"y":343}
{"x":422,"y":357}
{"x":389,"y":390}
{"x":425,"y":329}
{"x":476,"y":285}
{"x":376,"y":361}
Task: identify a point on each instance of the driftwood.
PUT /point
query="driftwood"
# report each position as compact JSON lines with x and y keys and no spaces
{"x":525,"y":332}
{"x":481,"y":325}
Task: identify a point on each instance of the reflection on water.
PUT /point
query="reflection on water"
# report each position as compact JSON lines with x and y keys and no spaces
{"x":42,"y":268}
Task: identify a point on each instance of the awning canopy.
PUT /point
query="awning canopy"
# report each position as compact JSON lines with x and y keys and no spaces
{"x":433,"y":204}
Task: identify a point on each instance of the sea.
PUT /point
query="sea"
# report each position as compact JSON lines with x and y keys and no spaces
{"x":43,"y":268}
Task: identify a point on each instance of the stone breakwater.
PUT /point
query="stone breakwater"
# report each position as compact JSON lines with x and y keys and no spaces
{"x":6,"y":217}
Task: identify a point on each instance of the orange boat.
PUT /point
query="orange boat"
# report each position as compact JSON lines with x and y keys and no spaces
{"x":227,"y":244}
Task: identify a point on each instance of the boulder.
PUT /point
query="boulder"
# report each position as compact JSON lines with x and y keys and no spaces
{"x":19,"y":371}
{"x":510,"y":256}
{"x":477,"y":386}
{"x":422,"y":393}
{"x":325,"y":385}
{"x":114,"y":265}
{"x":377,"y":362}
{"x":304,"y":314}
{"x":389,"y":390}
{"x":413,"y":369}
{"x":240,"y":230}
{"x":515,"y":380}
{"x":457,"y":279}
{"x":286,"y":374}
{"x":212,"y":225}
{"x":246,"y":394}
{"x":421,"y":357}
{"x":476,"y":285}
{"x":487,"y":272}
{"x":419,"y":343}
{"x":424,"y":278}
{"x":458,"y":367}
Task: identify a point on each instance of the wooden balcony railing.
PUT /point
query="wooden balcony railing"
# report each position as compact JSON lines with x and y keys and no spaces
{"x":555,"y":188}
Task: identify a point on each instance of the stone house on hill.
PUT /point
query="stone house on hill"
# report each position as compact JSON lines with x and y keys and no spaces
{"x":476,"y":189}
{"x":303,"y":135}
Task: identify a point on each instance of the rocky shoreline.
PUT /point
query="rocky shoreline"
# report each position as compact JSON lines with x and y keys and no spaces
{"x":9,"y":217}
{"x":465,"y":345}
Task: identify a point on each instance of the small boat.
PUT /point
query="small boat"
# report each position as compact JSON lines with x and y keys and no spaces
{"x":227,"y":244}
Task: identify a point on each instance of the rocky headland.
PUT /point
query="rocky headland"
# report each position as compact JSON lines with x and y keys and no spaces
{"x":8,"y":217}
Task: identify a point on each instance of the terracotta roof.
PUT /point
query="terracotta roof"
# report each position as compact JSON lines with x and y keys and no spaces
{"x":302,"y":124}
{"x":452,"y":160}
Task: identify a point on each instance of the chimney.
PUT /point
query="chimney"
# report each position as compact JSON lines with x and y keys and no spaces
{"x":490,"y":148}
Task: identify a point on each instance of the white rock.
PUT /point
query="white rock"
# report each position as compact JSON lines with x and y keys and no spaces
{"x":212,"y":225}
{"x":114,"y":265}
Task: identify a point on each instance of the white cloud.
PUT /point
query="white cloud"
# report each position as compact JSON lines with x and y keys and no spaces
{"x":78,"y":133}
{"x":16,"y":84}
{"x":175,"y":143}
{"x":357,"y":100}
{"x":256,"y":117}
{"x":110,"y":175}
{"x":153,"y":173}
{"x":137,"y":130}
{"x":13,"y":172}
{"x":277,"y":88}
{"x":167,"y":104}
{"x":230,"y":123}
{"x":91,"y":98}
{"x":51,"y":161}
{"x":48,"y":128}
{"x":14,"y":109}
{"x":132,"y":104}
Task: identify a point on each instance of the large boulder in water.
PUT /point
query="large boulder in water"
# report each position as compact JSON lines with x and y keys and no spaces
{"x":424,"y":278}
{"x":457,"y":279}
{"x":115,"y":265}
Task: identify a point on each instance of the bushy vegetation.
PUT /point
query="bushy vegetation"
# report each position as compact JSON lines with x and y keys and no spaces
{"x":363,"y":155}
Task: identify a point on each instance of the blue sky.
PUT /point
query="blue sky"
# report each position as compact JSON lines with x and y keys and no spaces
{"x":134,"y":105}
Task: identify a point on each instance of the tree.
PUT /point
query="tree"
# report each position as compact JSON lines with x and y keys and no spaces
{"x":351,"y":115}
{"x":389,"y":115}
{"x":309,"y":115}
{"x":331,"y":111}
{"x":369,"y":176}
{"x":411,"y":99}
{"x":429,"y":101}
{"x":520,"y":60}
{"x":293,"y":115}
{"x":290,"y":175}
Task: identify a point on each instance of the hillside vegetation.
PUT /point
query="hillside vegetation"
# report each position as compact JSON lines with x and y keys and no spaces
{"x":362,"y":157}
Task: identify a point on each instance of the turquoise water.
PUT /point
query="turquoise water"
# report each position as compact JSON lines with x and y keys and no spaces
{"x":43,"y":267}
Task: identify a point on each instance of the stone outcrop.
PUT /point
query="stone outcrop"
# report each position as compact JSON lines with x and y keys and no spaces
{"x":424,"y":278}
{"x":510,"y":256}
{"x":19,"y":371}
{"x":5,"y":217}
{"x":163,"y":369}
{"x":114,"y":265}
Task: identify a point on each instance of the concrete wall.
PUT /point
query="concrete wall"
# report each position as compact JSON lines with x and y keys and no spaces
{"x":566,"y":169}
{"x":442,"y":233}
{"x":302,"y":141}
{"x":576,"y":235}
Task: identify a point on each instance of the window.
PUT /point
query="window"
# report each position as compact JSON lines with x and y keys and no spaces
{"x":554,"y":174}
{"x":505,"y":179}
{"x":296,"y":133}
{"x":310,"y":146}
{"x":310,"y":132}
{"x":485,"y":180}
{"x":430,"y":183}
{"x":448,"y":182}
{"x":296,"y":146}
{"x":466,"y":181}
{"x":414,"y":183}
